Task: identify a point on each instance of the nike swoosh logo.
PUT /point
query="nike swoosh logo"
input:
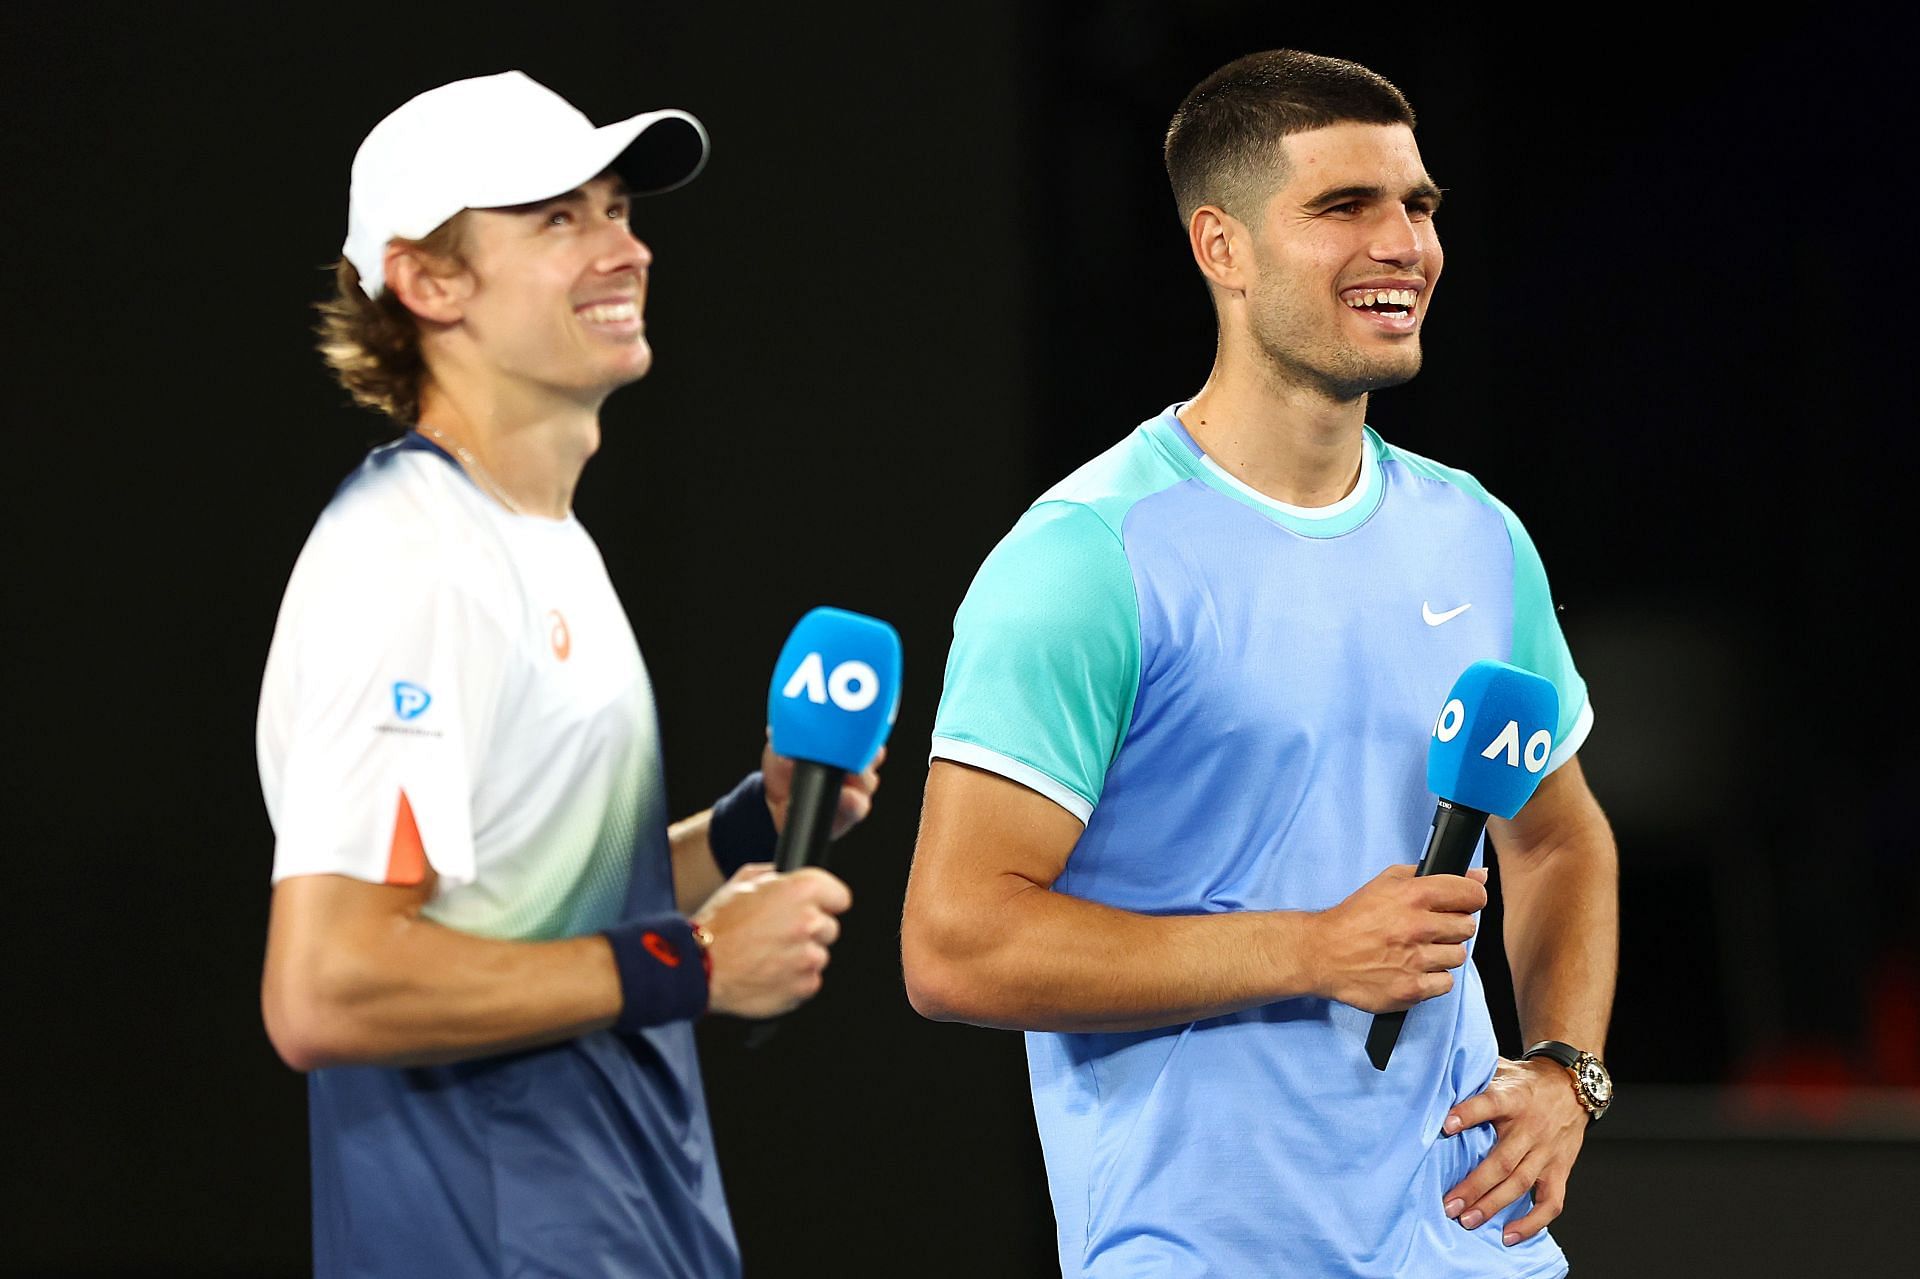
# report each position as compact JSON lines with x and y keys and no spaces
{"x":1434,"y":619}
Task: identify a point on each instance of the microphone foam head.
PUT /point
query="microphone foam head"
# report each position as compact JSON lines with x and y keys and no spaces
{"x":836,"y":689}
{"x":1493,"y":738}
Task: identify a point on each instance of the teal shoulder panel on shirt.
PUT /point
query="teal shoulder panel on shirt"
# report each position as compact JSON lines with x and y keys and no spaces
{"x":1045,"y":662}
{"x":1111,"y":483}
{"x":1046,"y":654}
{"x":1538,"y":644}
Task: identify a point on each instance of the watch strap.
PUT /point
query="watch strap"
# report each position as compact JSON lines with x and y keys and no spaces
{"x":1591,"y":1082}
{"x":1552,"y":1049}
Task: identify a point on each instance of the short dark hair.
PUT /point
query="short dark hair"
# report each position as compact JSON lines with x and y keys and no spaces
{"x":1223,"y":146}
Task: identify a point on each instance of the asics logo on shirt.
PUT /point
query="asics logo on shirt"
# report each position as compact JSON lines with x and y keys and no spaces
{"x":558,"y":635}
{"x":410,"y":701}
{"x":1435,"y":619}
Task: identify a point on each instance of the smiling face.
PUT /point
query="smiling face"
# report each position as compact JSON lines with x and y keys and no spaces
{"x":1344,"y":260}
{"x":555,"y":291}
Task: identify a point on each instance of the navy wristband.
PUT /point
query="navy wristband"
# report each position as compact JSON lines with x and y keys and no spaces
{"x":663,"y":971}
{"x":741,"y":828}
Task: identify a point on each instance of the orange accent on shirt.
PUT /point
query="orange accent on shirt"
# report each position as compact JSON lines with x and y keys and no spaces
{"x":558,"y":635}
{"x":406,"y":856}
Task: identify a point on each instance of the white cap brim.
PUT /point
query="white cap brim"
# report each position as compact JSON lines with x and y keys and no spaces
{"x":650,"y":157}
{"x":447,"y":151}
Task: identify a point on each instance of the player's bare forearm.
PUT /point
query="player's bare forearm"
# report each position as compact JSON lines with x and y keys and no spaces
{"x":1559,"y":872}
{"x":355,"y":975}
{"x":696,"y":875}
{"x":985,"y":940}
{"x":1040,"y":960}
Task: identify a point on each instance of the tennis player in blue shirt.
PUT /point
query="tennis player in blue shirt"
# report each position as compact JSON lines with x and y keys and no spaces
{"x":1178,"y":776}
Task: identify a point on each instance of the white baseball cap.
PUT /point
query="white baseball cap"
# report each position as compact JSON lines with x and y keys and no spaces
{"x":495,"y":141}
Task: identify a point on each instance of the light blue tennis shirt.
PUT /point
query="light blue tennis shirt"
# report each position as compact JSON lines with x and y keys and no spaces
{"x":1235,"y":697}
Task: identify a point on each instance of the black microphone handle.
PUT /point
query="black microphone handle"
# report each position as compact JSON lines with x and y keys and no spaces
{"x":1456,"y":830}
{"x":811,"y":804}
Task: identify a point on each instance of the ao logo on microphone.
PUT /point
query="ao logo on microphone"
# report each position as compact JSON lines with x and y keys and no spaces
{"x":835,"y":689}
{"x":853,"y":685}
{"x":1453,"y":717}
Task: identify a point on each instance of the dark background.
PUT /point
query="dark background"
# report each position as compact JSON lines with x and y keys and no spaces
{"x":932,"y":267}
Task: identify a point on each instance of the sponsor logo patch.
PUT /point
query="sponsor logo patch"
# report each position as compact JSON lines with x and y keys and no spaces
{"x":410,"y":701}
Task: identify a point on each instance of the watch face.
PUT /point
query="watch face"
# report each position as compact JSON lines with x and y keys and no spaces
{"x":1594,"y":1081}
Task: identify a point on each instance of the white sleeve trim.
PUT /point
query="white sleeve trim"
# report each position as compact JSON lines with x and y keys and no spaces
{"x":1013,"y":770}
{"x":1576,"y":737}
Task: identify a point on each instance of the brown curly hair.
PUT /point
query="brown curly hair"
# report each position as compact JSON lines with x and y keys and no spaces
{"x":373,"y":344}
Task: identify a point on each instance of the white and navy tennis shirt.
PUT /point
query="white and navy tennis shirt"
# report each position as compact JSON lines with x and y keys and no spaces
{"x":457,"y":686}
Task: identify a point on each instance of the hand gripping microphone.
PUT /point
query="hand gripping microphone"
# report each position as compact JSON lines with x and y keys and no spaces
{"x":1489,"y":750}
{"x":835,"y":693}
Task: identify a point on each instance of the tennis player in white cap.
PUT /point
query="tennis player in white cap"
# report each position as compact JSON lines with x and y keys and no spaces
{"x":487,"y":946}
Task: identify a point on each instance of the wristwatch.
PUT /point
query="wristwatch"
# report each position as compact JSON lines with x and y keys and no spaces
{"x":1591,"y":1082}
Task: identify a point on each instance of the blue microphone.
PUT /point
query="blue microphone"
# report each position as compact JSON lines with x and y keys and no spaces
{"x":834,"y":696}
{"x":1488,"y":752}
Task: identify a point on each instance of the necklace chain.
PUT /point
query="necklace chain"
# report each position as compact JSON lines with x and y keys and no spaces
{"x":477,"y":471}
